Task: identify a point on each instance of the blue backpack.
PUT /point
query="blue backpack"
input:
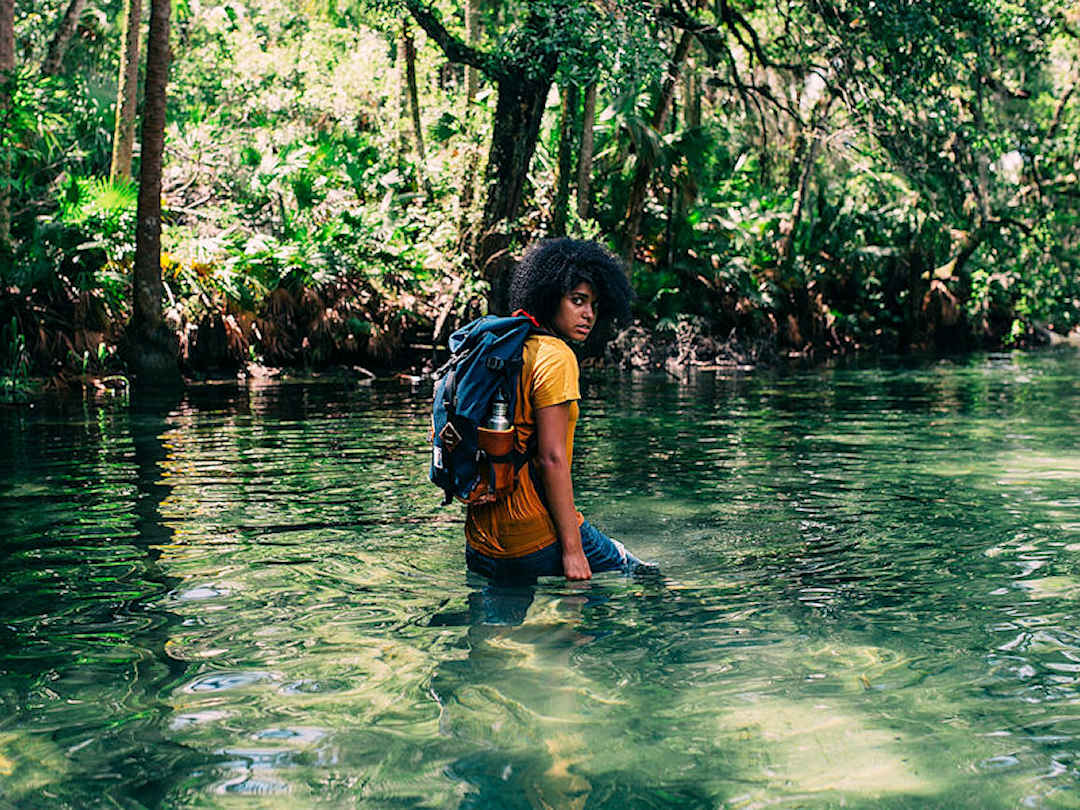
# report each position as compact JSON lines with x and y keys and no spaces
{"x":485,"y":360}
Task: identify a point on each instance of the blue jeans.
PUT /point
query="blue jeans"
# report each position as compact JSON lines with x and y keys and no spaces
{"x":603,"y":554}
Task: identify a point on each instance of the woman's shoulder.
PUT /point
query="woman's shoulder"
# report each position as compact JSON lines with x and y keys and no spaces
{"x":551,"y":369}
{"x":548,"y":349}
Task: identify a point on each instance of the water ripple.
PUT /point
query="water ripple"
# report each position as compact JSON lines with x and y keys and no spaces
{"x":870,"y":599}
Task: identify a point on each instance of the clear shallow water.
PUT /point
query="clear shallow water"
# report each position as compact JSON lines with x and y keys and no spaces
{"x":250,"y":598}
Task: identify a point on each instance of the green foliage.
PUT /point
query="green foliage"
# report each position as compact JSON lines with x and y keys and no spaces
{"x":867,"y":173}
{"x":31,"y":127}
{"x":104,"y":213}
{"x":54,"y":127}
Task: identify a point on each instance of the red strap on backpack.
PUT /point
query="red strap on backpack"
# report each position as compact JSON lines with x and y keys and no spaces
{"x":525,"y":314}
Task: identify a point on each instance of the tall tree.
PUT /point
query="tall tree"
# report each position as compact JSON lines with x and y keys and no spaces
{"x":802,"y":166}
{"x":585,"y":155}
{"x":401,"y":103}
{"x":535,"y":37}
{"x":645,"y":157}
{"x":124,"y":131}
{"x":691,"y":93}
{"x":152,"y":348}
{"x":7,"y":71}
{"x":58,"y":47}
{"x":691,"y":96}
{"x":565,"y":164}
{"x":409,"y":47}
{"x":472,"y":86}
{"x":522,"y":76}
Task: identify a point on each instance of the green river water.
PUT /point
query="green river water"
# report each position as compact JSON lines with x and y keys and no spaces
{"x":251,"y":598}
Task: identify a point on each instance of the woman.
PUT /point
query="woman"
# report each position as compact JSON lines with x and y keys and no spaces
{"x":568,"y":287}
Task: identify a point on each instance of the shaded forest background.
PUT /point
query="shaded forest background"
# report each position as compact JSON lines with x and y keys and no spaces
{"x":343,"y":183}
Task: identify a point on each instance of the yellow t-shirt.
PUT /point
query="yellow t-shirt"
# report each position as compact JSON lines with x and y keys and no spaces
{"x":519,"y":524}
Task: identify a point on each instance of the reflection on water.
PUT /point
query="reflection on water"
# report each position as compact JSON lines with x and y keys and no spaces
{"x":251,"y":597}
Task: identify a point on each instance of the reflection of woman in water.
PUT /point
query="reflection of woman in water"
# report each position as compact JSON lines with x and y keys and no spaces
{"x":568,"y":287}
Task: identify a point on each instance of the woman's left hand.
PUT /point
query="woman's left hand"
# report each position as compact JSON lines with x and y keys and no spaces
{"x":575,"y":565}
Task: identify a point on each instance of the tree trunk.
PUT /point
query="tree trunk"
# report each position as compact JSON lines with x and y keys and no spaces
{"x":7,"y":39}
{"x":806,"y":154}
{"x":7,"y":68}
{"x":692,"y":100}
{"x":522,"y":81}
{"x":519,"y":110}
{"x":809,"y":157}
{"x":585,"y":156}
{"x":669,"y":219}
{"x":472,"y":157}
{"x":565,"y":167}
{"x":401,"y":110}
{"x":472,"y":34}
{"x":688,"y":189}
{"x":152,"y":348}
{"x":414,"y":105}
{"x":636,"y":206}
{"x":124,"y":131}
{"x":58,"y":47}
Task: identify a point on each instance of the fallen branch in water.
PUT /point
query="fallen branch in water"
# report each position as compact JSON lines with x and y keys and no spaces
{"x":1057,"y":339}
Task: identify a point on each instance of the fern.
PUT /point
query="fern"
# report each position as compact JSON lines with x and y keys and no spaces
{"x":96,"y":199}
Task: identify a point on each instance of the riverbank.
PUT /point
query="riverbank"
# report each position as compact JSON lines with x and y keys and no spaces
{"x":216,"y":350}
{"x":64,"y":336}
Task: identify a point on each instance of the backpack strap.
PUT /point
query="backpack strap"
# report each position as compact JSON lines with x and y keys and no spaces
{"x":520,"y":313}
{"x":449,"y":400}
{"x":537,"y":327}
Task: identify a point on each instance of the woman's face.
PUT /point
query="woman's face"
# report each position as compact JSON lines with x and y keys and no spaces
{"x":576,"y":315}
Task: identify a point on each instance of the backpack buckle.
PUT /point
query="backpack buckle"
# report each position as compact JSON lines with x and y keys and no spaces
{"x":495,"y":364}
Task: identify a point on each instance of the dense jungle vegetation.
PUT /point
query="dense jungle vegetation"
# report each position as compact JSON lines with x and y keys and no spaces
{"x":343,"y":181}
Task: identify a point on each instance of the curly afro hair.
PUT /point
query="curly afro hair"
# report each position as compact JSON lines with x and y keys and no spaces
{"x":550,"y":269}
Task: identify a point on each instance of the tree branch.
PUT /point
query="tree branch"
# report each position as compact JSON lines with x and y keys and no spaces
{"x":1060,"y":111}
{"x":455,"y":50}
{"x":712,"y":38}
{"x":1012,"y":222}
{"x":715,"y":43}
{"x":997,"y":84}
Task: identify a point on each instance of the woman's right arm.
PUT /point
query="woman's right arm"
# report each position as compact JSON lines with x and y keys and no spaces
{"x":552,"y":425}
